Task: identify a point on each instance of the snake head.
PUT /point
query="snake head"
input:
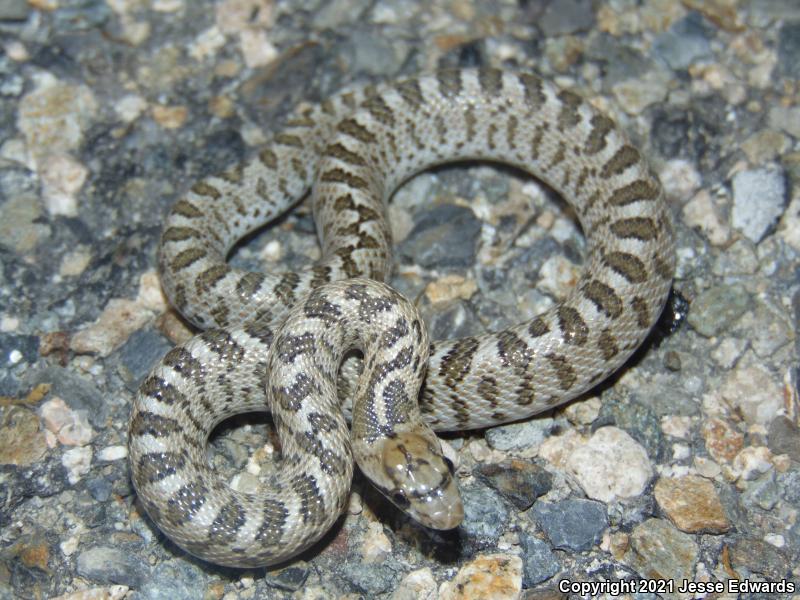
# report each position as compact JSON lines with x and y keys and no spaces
{"x":419,"y":480}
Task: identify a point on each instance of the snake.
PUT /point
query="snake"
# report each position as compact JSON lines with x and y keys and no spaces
{"x":276,"y":341}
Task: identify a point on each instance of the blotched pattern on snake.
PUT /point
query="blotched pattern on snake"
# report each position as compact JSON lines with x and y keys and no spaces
{"x":355,"y":149}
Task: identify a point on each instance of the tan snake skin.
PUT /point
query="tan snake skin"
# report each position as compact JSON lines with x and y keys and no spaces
{"x":356,"y":148}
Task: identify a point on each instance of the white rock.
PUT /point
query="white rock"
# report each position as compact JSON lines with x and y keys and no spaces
{"x":759,"y":196}
{"x":377,"y":545}
{"x":754,"y":391}
{"x":118,"y":320}
{"x":110,"y":453}
{"x":417,"y":585}
{"x":77,"y":462}
{"x":111,"y":592}
{"x":752,"y":462}
{"x":610,"y":465}
{"x":702,"y":213}
{"x":70,"y":427}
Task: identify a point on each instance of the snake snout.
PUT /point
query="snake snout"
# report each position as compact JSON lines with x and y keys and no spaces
{"x":421,"y":481}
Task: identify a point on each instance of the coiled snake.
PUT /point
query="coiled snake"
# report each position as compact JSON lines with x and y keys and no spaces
{"x":356,"y":148}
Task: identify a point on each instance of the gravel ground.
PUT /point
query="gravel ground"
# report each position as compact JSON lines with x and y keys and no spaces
{"x":683,"y":467}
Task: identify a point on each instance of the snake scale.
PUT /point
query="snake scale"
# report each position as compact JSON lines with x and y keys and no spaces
{"x":277,"y":340}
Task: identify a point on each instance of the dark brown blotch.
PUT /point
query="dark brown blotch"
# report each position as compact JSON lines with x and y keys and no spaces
{"x":636,"y":191}
{"x":538,"y":327}
{"x":604,"y":298}
{"x":626,"y":156}
{"x":225,"y":527}
{"x":573,"y":328}
{"x":638,"y":228}
{"x":186,"y":209}
{"x":491,"y":81}
{"x":627,"y":265}
{"x":148,"y":423}
{"x":356,"y":130}
{"x":456,"y":363}
{"x":180,"y":234}
{"x":202,"y":188}
{"x":449,"y":81}
{"x":639,"y":306}
{"x":597,"y":140}
{"x":607,"y":344}
{"x":338,"y":175}
{"x":187,"y":258}
{"x":563,"y":370}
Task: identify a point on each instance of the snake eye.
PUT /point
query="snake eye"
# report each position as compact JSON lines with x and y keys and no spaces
{"x":450,"y":466}
{"x":400,"y":499}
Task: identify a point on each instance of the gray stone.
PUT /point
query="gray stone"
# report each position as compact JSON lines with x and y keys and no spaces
{"x":684,"y":43}
{"x":452,"y":319}
{"x":762,"y":493}
{"x":572,"y":524}
{"x":106,"y":565}
{"x":372,"y":53}
{"x":567,"y":16}
{"x":538,"y":561}
{"x":99,"y":488}
{"x":26,"y":345}
{"x":444,"y":236}
{"x":139,"y":353}
{"x":14,"y":10}
{"x":485,"y":514}
{"x":756,"y":556}
{"x":717,"y":309}
{"x":759,"y":198}
{"x":784,"y":438}
{"x":659,"y":551}
{"x":175,"y":580}
{"x":789,"y":50}
{"x":518,"y":481}
{"x":520,"y":436}
{"x":291,"y":578}
{"x":79,"y":393}
{"x":789,"y":483}
{"x":371,"y":579}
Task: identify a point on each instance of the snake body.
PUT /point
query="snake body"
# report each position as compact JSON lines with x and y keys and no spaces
{"x":355,"y":149}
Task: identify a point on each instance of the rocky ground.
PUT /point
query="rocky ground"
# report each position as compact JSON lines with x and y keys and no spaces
{"x":682,"y":467}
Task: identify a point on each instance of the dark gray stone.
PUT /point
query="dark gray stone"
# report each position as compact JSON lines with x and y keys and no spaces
{"x":757,"y":556}
{"x":453,"y":319}
{"x":640,"y":421}
{"x":762,"y":493}
{"x":789,"y":483}
{"x":444,"y":237}
{"x":27,"y":345}
{"x":371,"y":579}
{"x":520,"y":436}
{"x":290,"y":579}
{"x":485,"y":514}
{"x":538,"y":561}
{"x":139,"y":353}
{"x":567,"y":16}
{"x":99,"y":488}
{"x":789,"y":50}
{"x":684,"y":43}
{"x":175,"y":580}
{"x":784,"y":438}
{"x":103,"y":564}
{"x":79,"y":393}
{"x":572,"y":524}
{"x":14,"y":10}
{"x":518,"y":481}
{"x":718,"y":308}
